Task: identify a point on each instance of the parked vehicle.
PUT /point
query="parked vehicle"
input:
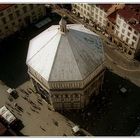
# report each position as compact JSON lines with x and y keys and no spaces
{"x":79,"y":131}
{"x":13,"y":93}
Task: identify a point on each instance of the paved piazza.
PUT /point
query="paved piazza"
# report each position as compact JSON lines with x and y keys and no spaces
{"x":43,"y":122}
{"x":111,"y":114}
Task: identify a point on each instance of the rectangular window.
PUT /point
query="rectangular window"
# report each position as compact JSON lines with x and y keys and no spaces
{"x":13,"y":23}
{"x":88,"y":8}
{"x":16,"y":6}
{"x":6,"y":27}
{"x":128,"y":33}
{"x":84,"y":11}
{"x":112,"y":27}
{"x":24,"y":9}
{"x":31,"y":6}
{"x":130,"y":28}
{"x":133,"y":43}
{"x":135,"y":32}
{"x":117,"y":26}
{"x":18,"y":13}
{"x":108,"y":24}
{"x":11,"y":17}
{"x":19,"y":20}
{"x":1,"y":14}
{"x":127,"y":39}
{"x":84,"y":6}
{"x":134,"y":38}
{"x":100,"y":19}
{"x":4,"y":20}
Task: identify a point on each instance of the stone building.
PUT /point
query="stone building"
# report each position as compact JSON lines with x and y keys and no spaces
{"x":66,"y":65}
{"x":128,"y":29}
{"x":15,"y":16}
{"x":121,"y":21}
{"x":92,"y":12}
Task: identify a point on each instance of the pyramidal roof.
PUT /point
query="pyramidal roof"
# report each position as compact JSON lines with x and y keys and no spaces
{"x":65,"y":56}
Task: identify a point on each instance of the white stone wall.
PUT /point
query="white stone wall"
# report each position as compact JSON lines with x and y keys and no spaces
{"x":100,"y":16}
{"x":124,"y":33}
{"x":82,"y":9}
{"x":15,"y":21}
{"x":69,"y":98}
{"x":91,"y":12}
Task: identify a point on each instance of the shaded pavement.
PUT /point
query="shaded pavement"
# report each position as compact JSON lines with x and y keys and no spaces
{"x":112,"y":113}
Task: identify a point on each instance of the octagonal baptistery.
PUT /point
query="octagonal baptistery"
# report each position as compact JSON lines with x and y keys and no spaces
{"x":66,"y":65}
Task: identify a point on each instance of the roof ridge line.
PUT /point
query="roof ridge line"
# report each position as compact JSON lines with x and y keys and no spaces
{"x":42,"y":47}
{"x":54,"y":58}
{"x":74,"y":57}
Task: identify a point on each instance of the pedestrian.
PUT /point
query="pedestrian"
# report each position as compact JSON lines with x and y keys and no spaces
{"x":39,"y":102}
{"x":42,"y":128}
{"x":15,"y":104}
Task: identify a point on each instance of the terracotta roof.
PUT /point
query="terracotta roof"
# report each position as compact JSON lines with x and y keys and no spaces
{"x":2,"y":129}
{"x":105,"y":7}
{"x":112,"y":17}
{"x":131,"y":12}
{"x":4,"y":6}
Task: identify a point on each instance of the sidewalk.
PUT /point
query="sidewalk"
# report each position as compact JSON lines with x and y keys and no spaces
{"x":120,"y":60}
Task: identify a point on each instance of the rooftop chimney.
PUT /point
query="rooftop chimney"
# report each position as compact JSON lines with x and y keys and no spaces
{"x":63,"y":25}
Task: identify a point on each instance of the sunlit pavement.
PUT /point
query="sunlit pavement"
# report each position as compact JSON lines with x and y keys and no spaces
{"x":38,"y":121}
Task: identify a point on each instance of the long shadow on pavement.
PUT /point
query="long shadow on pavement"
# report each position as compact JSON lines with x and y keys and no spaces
{"x":112,"y":113}
{"x":13,"y":52}
{"x":13,"y":71}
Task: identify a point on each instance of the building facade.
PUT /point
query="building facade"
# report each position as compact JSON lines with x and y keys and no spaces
{"x":92,"y":12}
{"x":66,"y":65}
{"x":15,"y":16}
{"x":120,"y":21}
{"x":128,"y":29}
